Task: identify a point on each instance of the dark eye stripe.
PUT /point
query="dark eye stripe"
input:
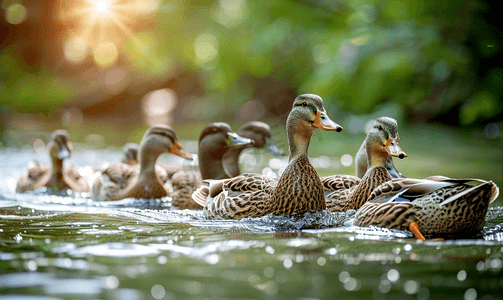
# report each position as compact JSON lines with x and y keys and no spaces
{"x":311,"y":106}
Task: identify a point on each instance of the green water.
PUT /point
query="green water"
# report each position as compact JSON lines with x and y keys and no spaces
{"x":69,"y":247}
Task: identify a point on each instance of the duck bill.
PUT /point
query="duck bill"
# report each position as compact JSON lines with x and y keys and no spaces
{"x":322,"y":121}
{"x":236,"y":141}
{"x":65,"y":151}
{"x":273,"y":148}
{"x":178,"y":150}
{"x":394,"y":149}
{"x":132,"y":162}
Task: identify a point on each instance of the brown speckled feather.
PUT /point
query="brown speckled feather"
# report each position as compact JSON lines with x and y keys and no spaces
{"x":339,"y":182}
{"x":299,"y":188}
{"x":147,"y":180}
{"x":252,"y":195}
{"x":357,"y":192}
{"x":36,"y":177}
{"x":56,"y":177}
{"x":184,"y":184}
{"x":120,"y":181}
{"x":40,"y":175}
{"x":433,"y":211}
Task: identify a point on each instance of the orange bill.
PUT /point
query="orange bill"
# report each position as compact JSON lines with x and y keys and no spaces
{"x":322,"y":121}
{"x":177,"y":149}
{"x":394,"y":149}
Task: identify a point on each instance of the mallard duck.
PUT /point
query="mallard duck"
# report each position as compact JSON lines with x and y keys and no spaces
{"x":390,"y":126}
{"x":58,"y":177}
{"x":130,"y":157}
{"x":130,"y":154}
{"x":344,"y":192}
{"x":215,"y":140}
{"x":260,"y":133}
{"x":299,"y":188}
{"x":446,"y":208}
{"x":120,"y":181}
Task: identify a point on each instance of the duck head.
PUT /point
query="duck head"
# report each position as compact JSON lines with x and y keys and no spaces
{"x":307,"y":115}
{"x":215,"y":140}
{"x":379,"y":145}
{"x":260,"y":133}
{"x":60,"y":146}
{"x":157,"y":140}
{"x":389,"y":127}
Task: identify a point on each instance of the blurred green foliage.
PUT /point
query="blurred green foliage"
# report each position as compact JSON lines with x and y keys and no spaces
{"x":356,"y":54}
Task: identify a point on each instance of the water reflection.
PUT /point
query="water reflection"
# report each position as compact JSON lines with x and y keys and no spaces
{"x":64,"y":246}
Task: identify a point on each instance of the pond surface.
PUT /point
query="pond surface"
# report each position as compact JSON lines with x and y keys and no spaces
{"x":69,"y":247}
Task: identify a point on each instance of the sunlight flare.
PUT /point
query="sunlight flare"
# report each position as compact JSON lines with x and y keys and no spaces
{"x":96,"y":23}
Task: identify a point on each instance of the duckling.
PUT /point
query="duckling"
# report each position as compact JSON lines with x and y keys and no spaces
{"x":344,"y":192}
{"x":390,"y":125}
{"x":120,"y":181}
{"x":260,"y":133}
{"x":58,"y":177}
{"x":215,"y":140}
{"x":299,"y":188}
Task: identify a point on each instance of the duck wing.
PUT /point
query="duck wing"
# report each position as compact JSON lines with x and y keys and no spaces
{"x":185,"y":184}
{"x":74,"y":180}
{"x":242,"y":196}
{"x":338,"y":182}
{"x":36,"y":177}
{"x":109,"y":183}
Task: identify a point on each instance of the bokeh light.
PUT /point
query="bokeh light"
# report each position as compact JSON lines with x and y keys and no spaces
{"x":16,"y":13}
{"x":230,"y":12}
{"x":346,"y":160}
{"x":76,"y":49}
{"x":101,"y":7}
{"x":158,"y":291}
{"x":158,"y":105}
{"x":106,"y":55}
{"x":101,"y":25}
{"x":148,"y":6}
{"x":206,"y":47}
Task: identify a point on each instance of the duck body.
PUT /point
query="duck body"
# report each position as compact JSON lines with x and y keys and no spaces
{"x":298,"y":190}
{"x":121,"y":180}
{"x":345,"y":192}
{"x":446,"y":208}
{"x":57,"y":177}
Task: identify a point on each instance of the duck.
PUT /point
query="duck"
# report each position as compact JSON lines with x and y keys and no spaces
{"x":119,"y":181}
{"x":299,"y":187}
{"x":215,"y":140}
{"x":57,"y":177}
{"x":130,"y":157}
{"x":444,"y":208}
{"x":345,"y":192}
{"x":130,"y":154}
{"x":260,"y":133}
{"x":389,"y":125}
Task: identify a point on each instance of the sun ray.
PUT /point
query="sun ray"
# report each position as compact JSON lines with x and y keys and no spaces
{"x":105,"y":21}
